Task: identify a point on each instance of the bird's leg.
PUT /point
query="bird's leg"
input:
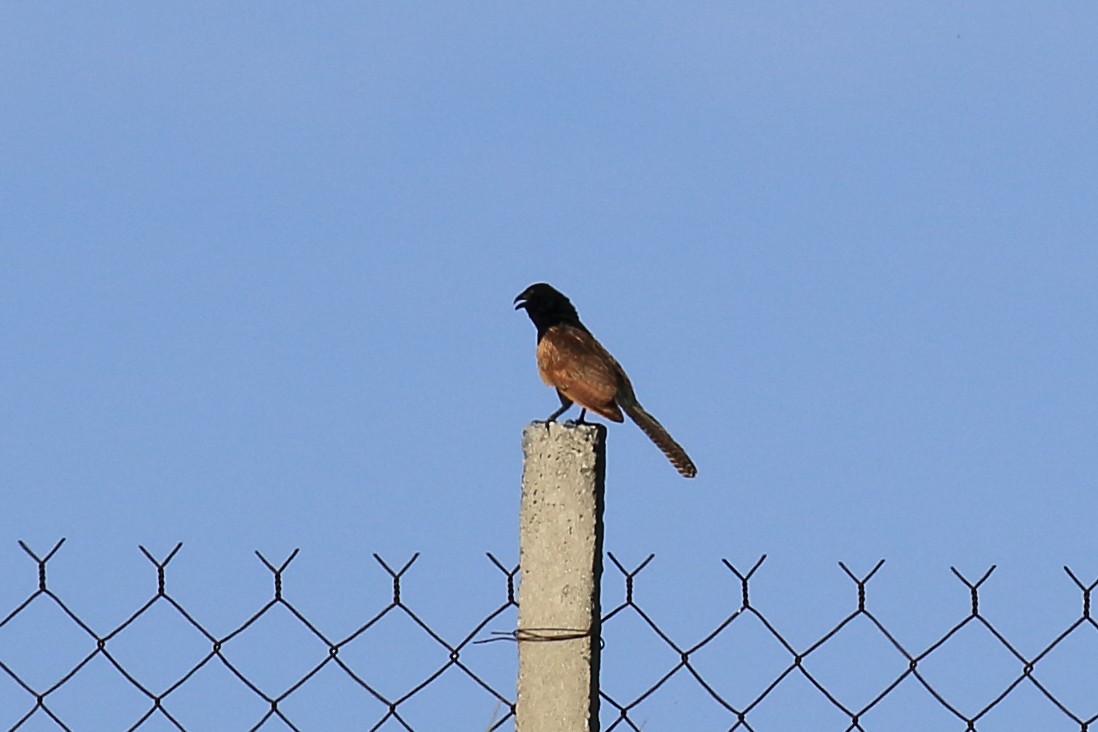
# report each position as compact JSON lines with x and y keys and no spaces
{"x":579,"y":420}
{"x":565,"y":403}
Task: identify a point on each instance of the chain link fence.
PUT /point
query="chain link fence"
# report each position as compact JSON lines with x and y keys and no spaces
{"x":31,"y":701}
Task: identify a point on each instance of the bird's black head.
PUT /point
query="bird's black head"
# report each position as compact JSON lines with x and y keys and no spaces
{"x":547,"y":307}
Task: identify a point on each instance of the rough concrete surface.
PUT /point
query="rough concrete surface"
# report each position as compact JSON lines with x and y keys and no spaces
{"x":560,"y":552}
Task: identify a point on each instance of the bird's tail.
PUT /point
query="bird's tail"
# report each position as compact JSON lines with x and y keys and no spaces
{"x":660,"y":437}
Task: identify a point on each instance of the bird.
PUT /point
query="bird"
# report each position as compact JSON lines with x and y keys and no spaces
{"x":583,"y":372}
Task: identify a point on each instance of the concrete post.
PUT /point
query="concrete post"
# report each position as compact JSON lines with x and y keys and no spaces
{"x":560,"y":552}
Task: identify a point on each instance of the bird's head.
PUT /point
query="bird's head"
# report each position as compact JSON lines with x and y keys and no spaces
{"x":546,"y":306}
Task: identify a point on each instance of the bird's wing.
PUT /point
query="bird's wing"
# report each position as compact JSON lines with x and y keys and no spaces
{"x":571,"y":360}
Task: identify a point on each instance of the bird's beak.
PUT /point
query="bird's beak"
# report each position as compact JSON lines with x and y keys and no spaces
{"x":520,"y":302}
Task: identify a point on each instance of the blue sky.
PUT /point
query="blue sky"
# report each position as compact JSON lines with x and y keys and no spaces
{"x":257,"y":264}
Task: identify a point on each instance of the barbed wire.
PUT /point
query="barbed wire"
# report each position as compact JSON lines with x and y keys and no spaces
{"x":161,"y":702}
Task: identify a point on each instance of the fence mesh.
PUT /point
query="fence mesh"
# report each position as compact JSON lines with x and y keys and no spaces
{"x":34,"y":704}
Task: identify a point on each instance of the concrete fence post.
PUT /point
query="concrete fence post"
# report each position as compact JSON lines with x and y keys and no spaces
{"x":560,"y":552}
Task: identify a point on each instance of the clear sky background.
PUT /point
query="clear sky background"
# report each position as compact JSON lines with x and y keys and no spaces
{"x":256,"y":270}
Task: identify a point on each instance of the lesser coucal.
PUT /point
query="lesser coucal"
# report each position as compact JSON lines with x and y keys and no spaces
{"x":583,"y":372}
